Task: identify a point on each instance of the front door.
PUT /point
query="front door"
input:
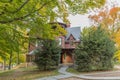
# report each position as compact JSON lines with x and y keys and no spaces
{"x":67,"y":58}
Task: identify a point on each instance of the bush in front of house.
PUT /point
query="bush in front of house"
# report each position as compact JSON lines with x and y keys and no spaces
{"x":96,"y":50}
{"x":48,"y":55}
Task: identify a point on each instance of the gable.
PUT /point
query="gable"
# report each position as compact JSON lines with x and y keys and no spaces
{"x":71,"y":37}
{"x":74,"y":31}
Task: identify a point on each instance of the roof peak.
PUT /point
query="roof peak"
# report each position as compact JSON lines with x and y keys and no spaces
{"x":75,"y":31}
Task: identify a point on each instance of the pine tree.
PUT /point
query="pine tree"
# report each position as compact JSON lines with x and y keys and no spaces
{"x":47,"y":56}
{"x":96,"y":50}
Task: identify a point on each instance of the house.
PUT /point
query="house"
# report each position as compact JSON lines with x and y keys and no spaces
{"x":68,"y":44}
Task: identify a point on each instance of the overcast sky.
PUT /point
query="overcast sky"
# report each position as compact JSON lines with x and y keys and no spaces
{"x":82,"y":20}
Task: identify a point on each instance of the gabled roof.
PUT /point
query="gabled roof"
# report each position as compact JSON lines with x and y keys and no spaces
{"x":75,"y":31}
{"x":70,"y":36}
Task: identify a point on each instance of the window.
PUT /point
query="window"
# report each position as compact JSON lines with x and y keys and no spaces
{"x":60,"y":41}
{"x":38,"y":43}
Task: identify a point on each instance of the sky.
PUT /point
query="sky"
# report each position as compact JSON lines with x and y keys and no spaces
{"x":82,"y":20}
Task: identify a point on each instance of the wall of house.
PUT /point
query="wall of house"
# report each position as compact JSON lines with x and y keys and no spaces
{"x":70,"y":43}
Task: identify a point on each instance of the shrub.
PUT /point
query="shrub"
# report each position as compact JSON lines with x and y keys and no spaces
{"x":47,"y":56}
{"x":96,"y":50}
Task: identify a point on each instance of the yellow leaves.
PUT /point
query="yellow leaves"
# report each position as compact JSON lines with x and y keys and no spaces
{"x":22,"y":57}
{"x":116,"y":36}
{"x":58,"y":31}
{"x":109,"y":19}
{"x":1,"y":60}
{"x":37,"y":5}
{"x":61,"y":30}
{"x":24,"y":32}
{"x":117,"y":55}
{"x":63,"y":10}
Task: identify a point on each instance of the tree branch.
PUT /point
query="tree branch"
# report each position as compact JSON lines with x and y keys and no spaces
{"x":42,"y":6}
{"x":23,"y":17}
{"x":15,"y":10}
{"x":15,"y":19}
{"x":18,"y":8}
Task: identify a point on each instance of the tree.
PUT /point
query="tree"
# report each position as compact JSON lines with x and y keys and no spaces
{"x":10,"y":40}
{"x":33,"y":17}
{"x":48,"y":55}
{"x":96,"y":50}
{"x":109,"y":19}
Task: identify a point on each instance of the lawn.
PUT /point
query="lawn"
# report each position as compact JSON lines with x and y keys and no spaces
{"x":26,"y":74}
{"x":74,"y":71}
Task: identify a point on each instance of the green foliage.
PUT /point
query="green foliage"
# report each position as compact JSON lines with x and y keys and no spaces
{"x":82,"y":6}
{"x":20,"y":17}
{"x":96,"y":50}
{"x":47,"y":56}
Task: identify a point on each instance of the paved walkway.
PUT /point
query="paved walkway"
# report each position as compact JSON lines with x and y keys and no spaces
{"x":65,"y":74}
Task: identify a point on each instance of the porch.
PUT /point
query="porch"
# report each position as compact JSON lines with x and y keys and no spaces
{"x":67,"y":56}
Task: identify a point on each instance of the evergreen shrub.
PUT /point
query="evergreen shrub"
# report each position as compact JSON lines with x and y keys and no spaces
{"x":96,"y":50}
{"x":48,"y":55}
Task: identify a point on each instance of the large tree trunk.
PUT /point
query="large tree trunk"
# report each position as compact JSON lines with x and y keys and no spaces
{"x":4,"y":64}
{"x":10,"y":60}
{"x":18,"y":58}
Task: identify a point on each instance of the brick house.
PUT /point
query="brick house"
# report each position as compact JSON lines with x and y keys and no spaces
{"x":68,"y":44}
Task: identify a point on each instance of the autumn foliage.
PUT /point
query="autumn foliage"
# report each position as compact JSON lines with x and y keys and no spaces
{"x":109,"y":19}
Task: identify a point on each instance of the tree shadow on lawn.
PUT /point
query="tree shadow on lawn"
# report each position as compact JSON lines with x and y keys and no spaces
{"x":25,"y":74}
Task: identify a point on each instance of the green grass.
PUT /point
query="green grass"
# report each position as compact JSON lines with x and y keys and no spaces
{"x":4,"y":73}
{"x":26,"y":74}
{"x":117,"y":63}
{"x":72,"y":70}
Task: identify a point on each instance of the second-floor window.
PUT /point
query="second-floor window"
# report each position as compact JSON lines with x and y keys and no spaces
{"x":38,"y":43}
{"x":60,"y":41}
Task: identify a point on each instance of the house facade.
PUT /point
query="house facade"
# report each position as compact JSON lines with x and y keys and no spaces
{"x":67,"y":43}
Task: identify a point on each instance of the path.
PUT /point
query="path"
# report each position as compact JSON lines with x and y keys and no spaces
{"x":90,"y":76}
{"x":63,"y":74}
